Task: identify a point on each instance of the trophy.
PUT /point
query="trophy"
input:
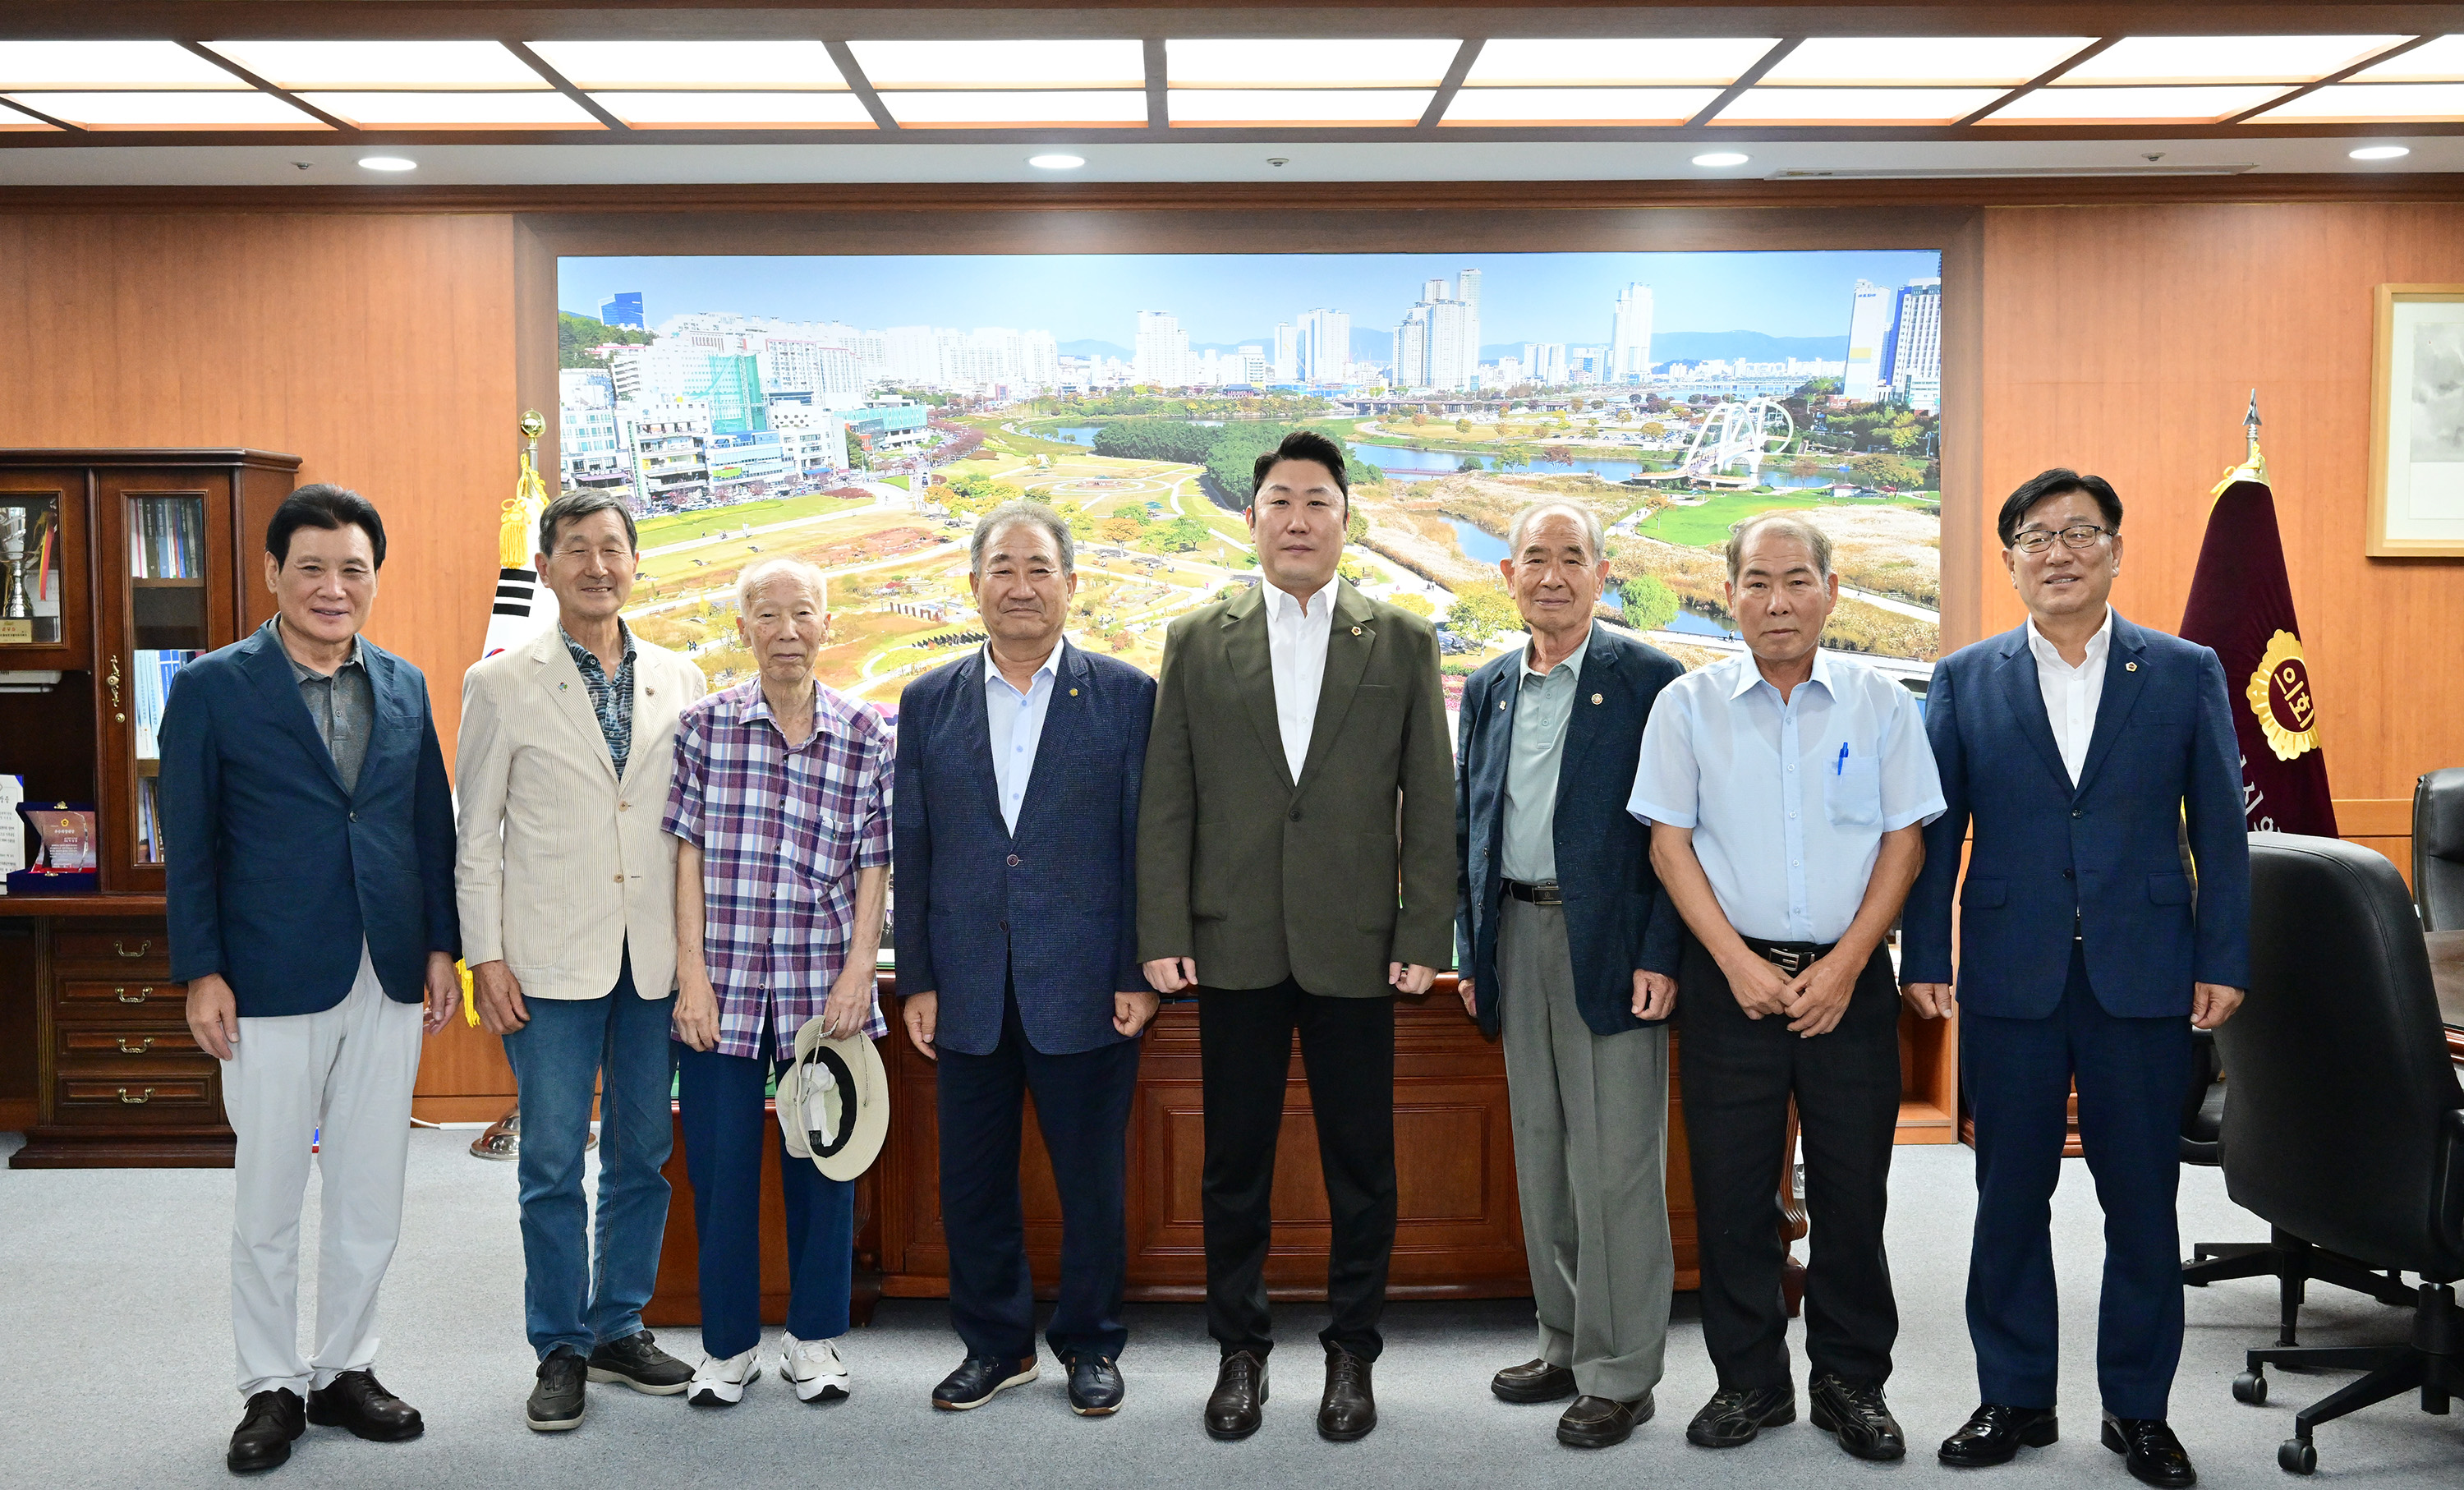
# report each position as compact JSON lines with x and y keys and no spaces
{"x":16,"y":523}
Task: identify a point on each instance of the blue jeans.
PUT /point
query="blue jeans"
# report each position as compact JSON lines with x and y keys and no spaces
{"x":559,"y":1059}
{"x":720,"y":1101}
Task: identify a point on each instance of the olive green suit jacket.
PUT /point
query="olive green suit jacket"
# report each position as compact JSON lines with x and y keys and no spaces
{"x":1325,"y":880}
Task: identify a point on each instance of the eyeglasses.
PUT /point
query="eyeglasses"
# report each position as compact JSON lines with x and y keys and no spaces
{"x":2036,"y":540}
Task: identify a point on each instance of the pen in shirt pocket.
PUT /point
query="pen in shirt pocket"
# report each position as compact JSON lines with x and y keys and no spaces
{"x":1839,"y":767}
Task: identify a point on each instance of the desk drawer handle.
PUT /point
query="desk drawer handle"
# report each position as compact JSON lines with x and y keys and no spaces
{"x":136,"y":1102}
{"x":137,"y":1049}
{"x":142,"y":947}
{"x":139,"y":997}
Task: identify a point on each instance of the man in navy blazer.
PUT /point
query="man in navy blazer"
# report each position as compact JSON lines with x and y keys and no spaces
{"x":2084,"y":753}
{"x":1566,"y":940}
{"x":308,"y":833}
{"x":1015,"y":852}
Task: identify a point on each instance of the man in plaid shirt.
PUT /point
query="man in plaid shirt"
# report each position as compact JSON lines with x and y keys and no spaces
{"x":781,"y":801}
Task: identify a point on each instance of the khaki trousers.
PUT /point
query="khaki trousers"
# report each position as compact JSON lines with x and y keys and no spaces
{"x":1591,"y":1163}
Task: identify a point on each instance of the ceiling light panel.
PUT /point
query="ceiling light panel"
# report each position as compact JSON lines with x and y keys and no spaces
{"x":1003,"y":64}
{"x":2359,"y":105}
{"x":111,"y":65}
{"x":752,"y":66}
{"x":1283,"y":65}
{"x":736,"y":110}
{"x":13,"y":122}
{"x":1608,"y":62}
{"x":456,"y":110}
{"x":2223,"y":59}
{"x":381,"y":64}
{"x":1870,"y":61}
{"x":1578,"y":105}
{"x":164,"y":110}
{"x":1286,"y":107}
{"x":1855,"y":106}
{"x":942,"y":109}
{"x":2134,"y":105}
{"x":2438,"y":60}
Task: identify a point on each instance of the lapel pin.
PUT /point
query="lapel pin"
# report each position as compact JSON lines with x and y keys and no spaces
{"x":1355,"y":631}
{"x":559,"y":688}
{"x":1595,"y":698}
{"x":1074,"y":692}
{"x":2130,"y":667}
{"x":1500,"y":703}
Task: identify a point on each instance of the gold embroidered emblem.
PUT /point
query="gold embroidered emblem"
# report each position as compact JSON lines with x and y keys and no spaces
{"x":2280,"y":696}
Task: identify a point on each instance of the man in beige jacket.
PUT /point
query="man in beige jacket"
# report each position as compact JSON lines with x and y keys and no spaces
{"x":567,"y":891}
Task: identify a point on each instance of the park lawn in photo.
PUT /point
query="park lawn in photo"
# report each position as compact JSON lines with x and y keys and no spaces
{"x":683,"y":527}
{"x":1706,"y":526}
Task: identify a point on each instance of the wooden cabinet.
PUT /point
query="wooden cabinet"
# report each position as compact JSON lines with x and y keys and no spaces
{"x":125,"y":564}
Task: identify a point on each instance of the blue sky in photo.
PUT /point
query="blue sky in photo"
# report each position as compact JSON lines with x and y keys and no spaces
{"x":1234,"y":297}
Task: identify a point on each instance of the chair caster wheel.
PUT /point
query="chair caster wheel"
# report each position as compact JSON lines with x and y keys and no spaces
{"x":2249,"y":1387}
{"x":2296,"y":1456}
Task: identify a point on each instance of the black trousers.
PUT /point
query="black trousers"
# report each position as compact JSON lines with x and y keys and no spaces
{"x":1082,"y":1103}
{"x":1245,"y":1053}
{"x":1737,"y":1074}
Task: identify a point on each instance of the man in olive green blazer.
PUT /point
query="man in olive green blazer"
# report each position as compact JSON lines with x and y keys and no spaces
{"x":1296,"y":865}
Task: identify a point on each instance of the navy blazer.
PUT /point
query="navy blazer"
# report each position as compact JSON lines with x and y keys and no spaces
{"x":1617,"y":918}
{"x":275,"y":873}
{"x":2162,"y":763}
{"x":1053,"y":907}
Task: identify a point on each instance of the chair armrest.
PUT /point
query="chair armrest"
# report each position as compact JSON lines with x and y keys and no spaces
{"x":2448,"y":1205}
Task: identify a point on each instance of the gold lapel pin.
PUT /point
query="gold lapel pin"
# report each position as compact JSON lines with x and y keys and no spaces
{"x":1355,"y":631}
{"x":1074,"y":692}
{"x":1595,"y":698}
{"x":1500,"y":703}
{"x":2130,"y":667}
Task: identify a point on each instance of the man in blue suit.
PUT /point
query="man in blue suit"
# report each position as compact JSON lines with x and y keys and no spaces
{"x":1015,"y":845}
{"x":310,"y":837}
{"x":2084,"y":753}
{"x":1568,"y":942}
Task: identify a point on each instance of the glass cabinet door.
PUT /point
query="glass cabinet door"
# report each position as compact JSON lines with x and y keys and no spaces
{"x":42,"y":572}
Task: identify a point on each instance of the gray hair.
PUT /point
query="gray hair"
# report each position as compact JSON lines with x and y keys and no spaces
{"x":1816,"y":541}
{"x":574,"y":505}
{"x":1584,"y":517}
{"x":779,"y":566}
{"x":1021,"y":510}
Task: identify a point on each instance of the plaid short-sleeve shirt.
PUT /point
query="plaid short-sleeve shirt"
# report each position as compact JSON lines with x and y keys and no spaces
{"x":782,"y":832}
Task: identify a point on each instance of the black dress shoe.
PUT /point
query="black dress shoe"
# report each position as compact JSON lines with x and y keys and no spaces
{"x":1994,"y":1434}
{"x":1349,"y":1409}
{"x":1854,"y":1412}
{"x":1094,"y":1386}
{"x":638,"y":1362}
{"x":1598,"y":1422}
{"x":1734,"y":1415}
{"x":1239,"y":1401}
{"x":979,"y":1379}
{"x":557,"y":1402}
{"x":2150,"y":1452}
{"x":1533,"y":1381}
{"x":263,"y":1437}
{"x":358,"y":1401}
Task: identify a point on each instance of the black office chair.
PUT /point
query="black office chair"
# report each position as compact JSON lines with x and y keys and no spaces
{"x":2293,"y":1263}
{"x":2344,"y":1121}
{"x":2439,"y":849}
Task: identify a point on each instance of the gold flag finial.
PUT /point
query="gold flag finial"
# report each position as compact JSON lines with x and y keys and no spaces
{"x":522,"y":510}
{"x":2254,"y":463}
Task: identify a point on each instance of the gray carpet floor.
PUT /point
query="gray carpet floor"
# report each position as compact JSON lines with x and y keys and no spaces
{"x":114,"y":1360}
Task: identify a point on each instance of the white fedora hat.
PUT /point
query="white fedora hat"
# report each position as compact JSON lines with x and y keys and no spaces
{"x":834,"y":1101}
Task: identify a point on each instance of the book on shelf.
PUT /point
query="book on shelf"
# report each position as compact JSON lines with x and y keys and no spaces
{"x":168,"y":539}
{"x":152,"y":681}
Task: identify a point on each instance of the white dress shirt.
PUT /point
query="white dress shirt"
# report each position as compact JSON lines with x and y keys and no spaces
{"x":1296,"y":634}
{"x":1789,"y":801}
{"x":1015,"y":725}
{"x":2071,"y":693}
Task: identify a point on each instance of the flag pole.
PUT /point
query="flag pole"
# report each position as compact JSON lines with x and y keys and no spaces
{"x":2253,"y":465}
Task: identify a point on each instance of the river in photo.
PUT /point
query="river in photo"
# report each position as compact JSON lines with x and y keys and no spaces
{"x":1075,"y":434}
{"x":1413,"y":464}
{"x":1479,"y":545}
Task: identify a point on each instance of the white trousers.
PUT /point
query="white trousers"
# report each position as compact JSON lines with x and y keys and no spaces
{"x":345,"y":1072}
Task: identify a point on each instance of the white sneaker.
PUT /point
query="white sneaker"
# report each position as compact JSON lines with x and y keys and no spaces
{"x":814,"y":1368}
{"x":717,"y":1383}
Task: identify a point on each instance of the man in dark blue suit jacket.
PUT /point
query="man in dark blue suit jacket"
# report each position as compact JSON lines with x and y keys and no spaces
{"x":309,"y":830}
{"x":1015,"y":855}
{"x":1568,"y":942}
{"x":2086,"y":752}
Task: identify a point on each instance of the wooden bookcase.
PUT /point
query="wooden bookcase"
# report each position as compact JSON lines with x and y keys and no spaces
{"x":143,"y":558}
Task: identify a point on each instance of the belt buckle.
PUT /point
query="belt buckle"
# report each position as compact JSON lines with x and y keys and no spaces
{"x":1546,"y":893}
{"x":1791,"y":963}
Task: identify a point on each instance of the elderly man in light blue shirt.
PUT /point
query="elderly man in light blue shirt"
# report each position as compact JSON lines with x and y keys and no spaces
{"x":1787,"y":791}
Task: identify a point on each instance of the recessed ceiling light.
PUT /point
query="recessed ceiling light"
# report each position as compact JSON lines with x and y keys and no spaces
{"x":2362,"y":103}
{"x":1315,"y":63}
{"x":381,"y":64}
{"x":386,"y":162}
{"x":108,"y":64}
{"x":2381,"y":152}
{"x":1644,"y":106}
{"x":735,"y":66}
{"x":1056,"y":163}
{"x":1722,"y":158}
{"x":1001,"y":64}
{"x":1876,"y":61}
{"x":1610,"y":62}
{"x":2223,"y":59}
{"x":736,"y":110}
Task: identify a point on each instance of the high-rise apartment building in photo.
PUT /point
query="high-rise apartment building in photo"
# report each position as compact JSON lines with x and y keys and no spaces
{"x":1629,"y":336}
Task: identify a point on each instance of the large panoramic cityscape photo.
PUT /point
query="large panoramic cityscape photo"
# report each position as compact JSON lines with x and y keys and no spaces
{"x":861,"y":411}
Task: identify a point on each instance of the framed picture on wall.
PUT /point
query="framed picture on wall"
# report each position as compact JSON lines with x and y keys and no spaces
{"x":2417,"y":423}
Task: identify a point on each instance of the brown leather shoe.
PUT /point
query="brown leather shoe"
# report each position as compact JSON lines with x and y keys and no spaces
{"x":1238,"y":1404}
{"x":1533,"y":1381}
{"x":1600,"y":1422}
{"x":1349,"y":1409}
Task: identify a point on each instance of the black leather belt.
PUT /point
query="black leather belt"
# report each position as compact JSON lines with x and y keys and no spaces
{"x":1789,"y":957}
{"x":1544,"y":894}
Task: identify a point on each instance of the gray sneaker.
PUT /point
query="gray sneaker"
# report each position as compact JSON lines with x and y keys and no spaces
{"x":556,"y":1403}
{"x":638,"y":1362}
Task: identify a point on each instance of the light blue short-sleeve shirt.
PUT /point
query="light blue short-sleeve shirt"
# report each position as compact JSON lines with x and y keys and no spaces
{"x":1788,"y":802}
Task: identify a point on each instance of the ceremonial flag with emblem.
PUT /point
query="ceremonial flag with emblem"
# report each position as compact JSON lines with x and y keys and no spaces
{"x":2242,"y":604}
